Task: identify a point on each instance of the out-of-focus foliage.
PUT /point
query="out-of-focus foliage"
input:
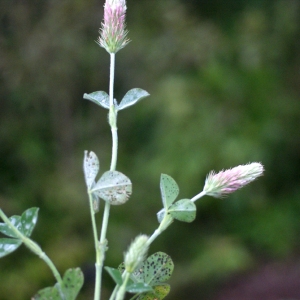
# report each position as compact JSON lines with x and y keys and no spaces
{"x":225,"y":85}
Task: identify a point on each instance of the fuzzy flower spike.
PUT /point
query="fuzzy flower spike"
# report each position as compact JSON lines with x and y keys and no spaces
{"x":113,"y":35}
{"x":225,"y":182}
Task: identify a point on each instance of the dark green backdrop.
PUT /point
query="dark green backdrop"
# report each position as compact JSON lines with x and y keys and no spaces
{"x":224,"y":79}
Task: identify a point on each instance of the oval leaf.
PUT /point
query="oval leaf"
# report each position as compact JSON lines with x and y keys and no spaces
{"x":139,"y":287}
{"x":132,"y":97}
{"x":169,"y":190}
{"x":114,"y":187}
{"x":8,"y":245}
{"x":115,"y":274}
{"x":72,"y":283}
{"x":183,"y":210}
{"x":28,"y":220}
{"x":47,"y":293}
{"x":160,"y":292}
{"x":90,"y":168}
{"x":138,"y":275}
{"x":5,"y":229}
{"x":100,"y":98}
{"x":157,"y":268}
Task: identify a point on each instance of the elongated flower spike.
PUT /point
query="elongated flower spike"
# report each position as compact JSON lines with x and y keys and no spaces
{"x":136,"y":253}
{"x":225,"y":182}
{"x":113,"y":35}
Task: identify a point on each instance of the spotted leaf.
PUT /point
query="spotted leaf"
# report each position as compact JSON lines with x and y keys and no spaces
{"x":159,"y":293}
{"x":157,"y":268}
{"x":90,"y":168}
{"x":114,"y":187}
{"x":183,"y":210}
{"x":169,"y":190}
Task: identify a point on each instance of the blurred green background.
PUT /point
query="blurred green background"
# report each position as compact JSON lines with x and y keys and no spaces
{"x":224,"y":79}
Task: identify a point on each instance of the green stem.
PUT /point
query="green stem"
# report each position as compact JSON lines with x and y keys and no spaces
{"x":113,"y":295}
{"x":198,"y":196}
{"x":34,"y":247}
{"x":167,"y":220}
{"x":164,"y":224}
{"x":97,"y":248}
{"x":114,"y":133}
{"x":112,"y":78}
{"x":134,"y":297}
{"x":113,"y":115}
{"x":95,"y":233}
{"x":122,"y":289}
{"x":113,"y":124}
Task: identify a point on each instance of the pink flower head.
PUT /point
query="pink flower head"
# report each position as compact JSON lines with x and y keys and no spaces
{"x":226,"y":182}
{"x":113,"y":33}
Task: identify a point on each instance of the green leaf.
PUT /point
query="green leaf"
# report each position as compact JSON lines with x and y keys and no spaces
{"x":159,"y":293}
{"x":90,"y":168}
{"x":114,"y":187}
{"x":72,"y":283}
{"x":115,"y":274}
{"x":47,"y":294}
{"x":8,"y":245}
{"x":169,"y":190}
{"x":132,"y":97}
{"x":183,"y":210}
{"x":121,"y":267}
{"x":139,"y":287}
{"x":28,"y":220}
{"x":160,"y":215}
{"x":100,"y":98}
{"x":157,"y":268}
{"x":24,"y":224}
{"x":5,"y":229}
{"x":154,"y":271}
{"x":138,"y":275}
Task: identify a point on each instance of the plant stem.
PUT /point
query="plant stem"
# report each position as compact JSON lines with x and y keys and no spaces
{"x":114,"y":133}
{"x":122,"y":290}
{"x":164,"y":224}
{"x":100,"y":250}
{"x":198,"y":196}
{"x":97,"y":249}
{"x":112,"y":78}
{"x":113,"y":295}
{"x":34,"y":247}
{"x":167,"y":220}
{"x":113,"y":114}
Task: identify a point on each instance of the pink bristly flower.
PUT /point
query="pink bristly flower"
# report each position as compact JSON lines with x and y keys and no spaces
{"x":113,"y":35}
{"x":228,"y":181}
